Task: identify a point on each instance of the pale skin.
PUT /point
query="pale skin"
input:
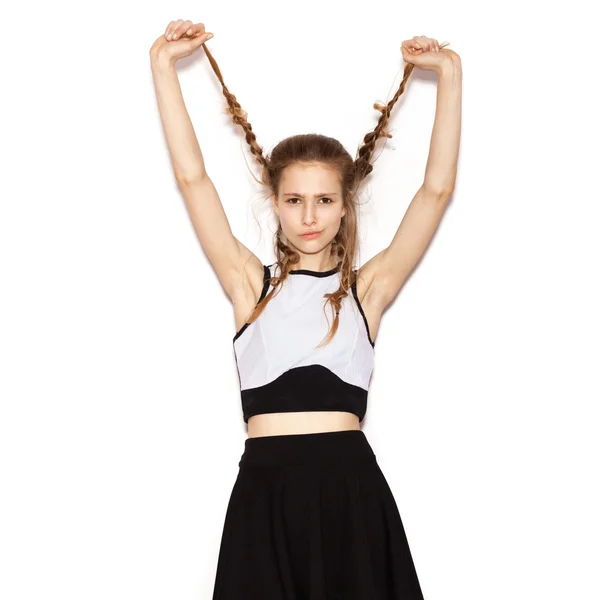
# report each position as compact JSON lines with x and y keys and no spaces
{"x":309,"y":199}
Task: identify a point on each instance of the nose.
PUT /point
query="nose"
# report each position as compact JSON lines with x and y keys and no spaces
{"x":309,"y":215}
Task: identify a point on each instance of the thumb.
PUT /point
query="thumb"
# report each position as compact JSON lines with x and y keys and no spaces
{"x":410,"y":57}
{"x":203,"y":37}
{"x":195,"y":42}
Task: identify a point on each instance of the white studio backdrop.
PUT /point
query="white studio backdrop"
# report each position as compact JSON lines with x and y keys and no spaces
{"x":120,"y":417}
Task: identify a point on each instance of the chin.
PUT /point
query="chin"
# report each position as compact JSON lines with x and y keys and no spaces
{"x":312,"y":242}
{"x":308,"y":246}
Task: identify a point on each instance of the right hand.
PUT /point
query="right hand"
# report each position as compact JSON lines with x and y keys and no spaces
{"x":181,"y":38}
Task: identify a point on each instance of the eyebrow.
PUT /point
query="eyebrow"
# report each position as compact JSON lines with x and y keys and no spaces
{"x":323,"y":194}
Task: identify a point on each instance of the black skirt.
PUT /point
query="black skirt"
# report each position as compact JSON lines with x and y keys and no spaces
{"x":311,"y":517}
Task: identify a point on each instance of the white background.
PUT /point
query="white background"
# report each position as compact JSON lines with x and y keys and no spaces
{"x":120,"y":422}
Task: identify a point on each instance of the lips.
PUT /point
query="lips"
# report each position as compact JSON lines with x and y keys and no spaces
{"x":310,"y":234}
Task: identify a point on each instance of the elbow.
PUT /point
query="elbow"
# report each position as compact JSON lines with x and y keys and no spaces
{"x":441,"y":193}
{"x":446,"y":193}
{"x":187,"y":178}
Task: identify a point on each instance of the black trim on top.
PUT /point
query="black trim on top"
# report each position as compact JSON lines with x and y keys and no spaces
{"x":315,"y":273}
{"x":307,"y":388}
{"x":265,"y":289}
{"x":360,"y":308}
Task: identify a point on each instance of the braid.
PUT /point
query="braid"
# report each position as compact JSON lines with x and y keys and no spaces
{"x":362,"y":163}
{"x":237,"y":113}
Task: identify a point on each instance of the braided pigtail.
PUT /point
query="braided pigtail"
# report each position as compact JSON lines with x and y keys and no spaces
{"x":362,"y":163}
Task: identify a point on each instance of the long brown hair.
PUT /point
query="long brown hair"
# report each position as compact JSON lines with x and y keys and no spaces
{"x":330,"y":153}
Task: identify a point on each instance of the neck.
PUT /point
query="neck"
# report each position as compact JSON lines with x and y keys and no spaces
{"x":314,"y":266}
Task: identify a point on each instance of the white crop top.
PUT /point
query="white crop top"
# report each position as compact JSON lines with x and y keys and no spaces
{"x":281,"y":370}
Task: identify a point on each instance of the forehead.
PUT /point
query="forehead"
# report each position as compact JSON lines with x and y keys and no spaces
{"x":309,"y":179}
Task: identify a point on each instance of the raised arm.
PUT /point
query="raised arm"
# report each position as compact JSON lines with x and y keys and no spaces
{"x":225,"y":252}
{"x":386,"y":272}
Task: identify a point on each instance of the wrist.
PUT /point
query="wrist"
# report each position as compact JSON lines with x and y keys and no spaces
{"x":450,"y":68}
{"x":160,"y":62}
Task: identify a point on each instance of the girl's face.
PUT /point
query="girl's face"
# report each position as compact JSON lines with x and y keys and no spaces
{"x":310,"y":199}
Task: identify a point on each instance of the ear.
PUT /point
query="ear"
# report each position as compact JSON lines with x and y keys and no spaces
{"x":275,"y":204}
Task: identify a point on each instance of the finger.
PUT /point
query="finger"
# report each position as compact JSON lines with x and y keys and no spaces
{"x":172,"y":29}
{"x":201,"y":37}
{"x":416,"y":43}
{"x":174,"y":35}
{"x":198,"y":29}
{"x":180,"y":29}
{"x":200,"y":40}
{"x":425,"y":43}
{"x":169,"y":27}
{"x":184,"y":28}
{"x":193,"y":30}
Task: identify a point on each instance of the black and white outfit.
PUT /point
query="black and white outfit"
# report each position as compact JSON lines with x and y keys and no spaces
{"x":311,"y":516}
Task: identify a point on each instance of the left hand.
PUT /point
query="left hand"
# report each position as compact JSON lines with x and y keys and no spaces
{"x":426,"y":53}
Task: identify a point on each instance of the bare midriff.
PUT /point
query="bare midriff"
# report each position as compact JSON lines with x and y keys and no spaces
{"x":291,"y":423}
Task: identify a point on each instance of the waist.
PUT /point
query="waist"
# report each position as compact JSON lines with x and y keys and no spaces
{"x":345,"y":448}
{"x":293,"y":423}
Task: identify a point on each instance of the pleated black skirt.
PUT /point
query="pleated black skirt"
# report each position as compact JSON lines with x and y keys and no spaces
{"x":311,"y":517}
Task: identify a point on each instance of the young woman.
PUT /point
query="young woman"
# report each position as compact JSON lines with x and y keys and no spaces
{"x":311,"y":515}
